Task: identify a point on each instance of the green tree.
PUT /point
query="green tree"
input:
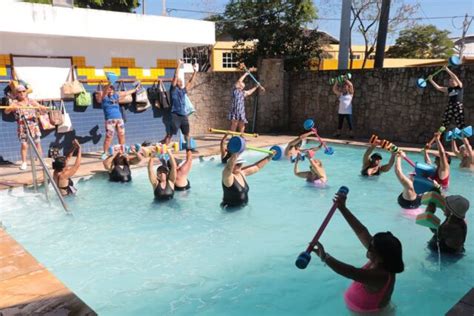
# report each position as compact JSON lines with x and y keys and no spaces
{"x":110,"y":5}
{"x":277,"y":28}
{"x":422,"y":41}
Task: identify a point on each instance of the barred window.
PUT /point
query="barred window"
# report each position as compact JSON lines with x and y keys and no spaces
{"x":228,"y":60}
{"x":355,"y":56}
{"x":187,"y":58}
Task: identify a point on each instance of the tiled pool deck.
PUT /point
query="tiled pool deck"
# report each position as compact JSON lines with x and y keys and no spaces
{"x":27,"y":287}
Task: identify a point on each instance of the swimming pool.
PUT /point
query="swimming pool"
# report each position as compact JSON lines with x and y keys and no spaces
{"x":125,"y":255}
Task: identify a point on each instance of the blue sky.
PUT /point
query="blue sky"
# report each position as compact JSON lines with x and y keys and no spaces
{"x":429,"y":8}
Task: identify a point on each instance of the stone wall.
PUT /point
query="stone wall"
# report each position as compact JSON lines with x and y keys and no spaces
{"x":386,"y":102}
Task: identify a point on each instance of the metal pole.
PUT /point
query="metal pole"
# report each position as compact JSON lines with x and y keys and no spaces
{"x":143,"y":7}
{"x":382,"y":34}
{"x":163,"y":8}
{"x":33,"y":166}
{"x":46,"y":184}
{"x":345,"y":34}
{"x":465,"y":27}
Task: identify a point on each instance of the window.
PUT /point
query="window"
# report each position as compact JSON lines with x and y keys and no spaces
{"x":355,"y":56}
{"x":228,"y":60}
{"x":372,"y":56}
{"x":187,"y":58}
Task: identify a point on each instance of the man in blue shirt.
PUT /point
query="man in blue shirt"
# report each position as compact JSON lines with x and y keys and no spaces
{"x":113,"y":116}
{"x":179,"y":117}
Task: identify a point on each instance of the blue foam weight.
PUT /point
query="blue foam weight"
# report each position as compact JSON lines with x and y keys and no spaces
{"x":236,"y":145}
{"x":449,"y":136}
{"x":111,"y":77}
{"x":454,"y":61}
{"x":308,"y":124}
{"x":421,"y":83}
{"x":303,"y":260}
{"x":278,"y":152}
{"x":329,"y":151}
{"x":423,"y":185}
{"x":466,"y":131}
{"x":457,"y":133}
{"x":424,"y":170}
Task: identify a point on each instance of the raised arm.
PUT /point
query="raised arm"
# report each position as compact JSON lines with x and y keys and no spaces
{"x":152,"y":174}
{"x":366,"y":157}
{"x":350,"y":85}
{"x":336,"y":90}
{"x":297,"y":172}
{"x":173,"y":166}
{"x":404,"y":180}
{"x":453,"y":76}
{"x":223,"y":146}
{"x":437,"y":87}
{"x":250,"y":170}
{"x":443,"y":160}
{"x":128,"y":92}
{"x":468,"y":146}
{"x":360,"y":230}
{"x":386,"y":167}
{"x":455,"y":150}
{"x":77,"y":164}
{"x":190,"y":83}
{"x":241,"y":79}
{"x":108,"y":163}
{"x":179,"y":62}
{"x":227,"y":176}
{"x":250,"y":91}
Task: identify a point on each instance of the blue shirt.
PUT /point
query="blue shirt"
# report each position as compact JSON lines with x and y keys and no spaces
{"x":177,"y":100}
{"x":111,"y":107}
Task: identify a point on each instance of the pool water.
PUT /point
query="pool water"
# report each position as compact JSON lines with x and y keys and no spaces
{"x":125,"y":255}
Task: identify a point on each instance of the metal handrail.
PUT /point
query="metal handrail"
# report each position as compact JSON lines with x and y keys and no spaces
{"x":45,"y":168}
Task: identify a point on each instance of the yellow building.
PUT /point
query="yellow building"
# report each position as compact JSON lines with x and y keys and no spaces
{"x":223,"y":58}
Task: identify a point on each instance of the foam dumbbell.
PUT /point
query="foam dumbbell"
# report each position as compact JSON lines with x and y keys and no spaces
{"x":453,"y":61}
{"x":428,"y":219}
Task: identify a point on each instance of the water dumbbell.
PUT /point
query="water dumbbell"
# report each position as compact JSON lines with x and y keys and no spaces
{"x":428,"y":219}
{"x":309,"y":125}
{"x":457,"y":133}
{"x":183,"y":145}
{"x":237,"y":145}
{"x":113,"y":149}
{"x":453,"y":61}
{"x":340,"y":79}
{"x":305,"y":257}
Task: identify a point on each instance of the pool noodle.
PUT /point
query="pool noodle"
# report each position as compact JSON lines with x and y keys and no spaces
{"x":260,"y":150}
{"x":221,"y":131}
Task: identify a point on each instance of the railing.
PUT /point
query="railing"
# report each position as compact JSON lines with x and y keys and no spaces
{"x":47,"y":174}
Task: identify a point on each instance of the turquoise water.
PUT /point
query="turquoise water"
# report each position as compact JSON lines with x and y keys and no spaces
{"x":125,"y":255}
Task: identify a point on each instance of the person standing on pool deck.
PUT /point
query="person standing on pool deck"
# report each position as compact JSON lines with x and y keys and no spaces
{"x":371,"y":163}
{"x":24,"y":107}
{"x":374,"y":283}
{"x":455,"y":108}
{"x":113,"y":116}
{"x":408,"y":199}
{"x":234,"y":183}
{"x":237,"y":109}
{"x":345,"y":95}
{"x":178,"y":91}
{"x":163,"y":181}
{"x":464,"y":153}
{"x":442,"y":162}
{"x":62,"y":173}
{"x":451,"y":234}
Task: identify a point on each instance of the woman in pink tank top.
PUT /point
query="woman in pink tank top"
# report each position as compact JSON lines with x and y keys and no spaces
{"x":373,"y":283}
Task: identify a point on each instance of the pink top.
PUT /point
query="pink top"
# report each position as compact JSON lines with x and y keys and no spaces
{"x":444,"y":183}
{"x":358,"y":299}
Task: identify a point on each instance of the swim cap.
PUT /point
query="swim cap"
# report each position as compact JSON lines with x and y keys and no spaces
{"x":376,"y":156}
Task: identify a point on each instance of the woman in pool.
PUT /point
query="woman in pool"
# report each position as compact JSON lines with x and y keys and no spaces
{"x":163,"y":181}
{"x":374,"y":283}
{"x":182,"y":182}
{"x":371,"y":163}
{"x":408,"y":199}
{"x":234,"y":183}
{"x":464,"y":153}
{"x":225,"y":155}
{"x":62,"y":173}
{"x":442,"y":162}
{"x":315,"y":175}
{"x":451,"y":234}
{"x":294,"y":147}
{"x":118,"y":165}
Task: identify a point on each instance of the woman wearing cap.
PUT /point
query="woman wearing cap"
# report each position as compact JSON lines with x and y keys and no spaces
{"x":316,"y":174}
{"x":371,"y":163}
{"x":118,"y":165}
{"x":113,"y":116}
{"x":374,"y":283}
{"x":464,"y":153}
{"x":451,"y":234}
{"x":442,"y":162}
{"x":163,"y":180}
{"x":24,"y":107}
{"x":62,"y":173}
{"x":234,"y":183}
{"x":408,"y":199}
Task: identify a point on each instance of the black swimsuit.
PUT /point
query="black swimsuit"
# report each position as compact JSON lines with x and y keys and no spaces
{"x":70,"y":189}
{"x":407,"y":204}
{"x":365,"y":171}
{"x":120,"y":175}
{"x":185,"y":188}
{"x":235,"y":195}
{"x":163,"y":194}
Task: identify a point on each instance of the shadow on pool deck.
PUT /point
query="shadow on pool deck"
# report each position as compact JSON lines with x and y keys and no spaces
{"x":27,"y":287}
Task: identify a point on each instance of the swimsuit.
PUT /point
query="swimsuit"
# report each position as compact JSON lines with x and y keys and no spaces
{"x":70,"y":189}
{"x":365,"y":171}
{"x":185,"y":188}
{"x":358,"y":299}
{"x":443,"y":182}
{"x":163,"y":194}
{"x":120,"y":175}
{"x":407,"y":204}
{"x":235,"y":195}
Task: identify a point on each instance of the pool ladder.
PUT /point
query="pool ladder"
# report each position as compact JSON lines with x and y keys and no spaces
{"x":46,"y":173}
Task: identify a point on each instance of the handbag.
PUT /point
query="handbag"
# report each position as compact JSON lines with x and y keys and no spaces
{"x":163,"y":98}
{"x":71,"y":87}
{"x":66,"y":126}
{"x":98,"y":95}
{"x":153,"y":94}
{"x":55,"y":115}
{"x":83,"y":99}
{"x":141,"y":100}
{"x":45,"y":122}
{"x":127,"y":99}
{"x":188,"y":106}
